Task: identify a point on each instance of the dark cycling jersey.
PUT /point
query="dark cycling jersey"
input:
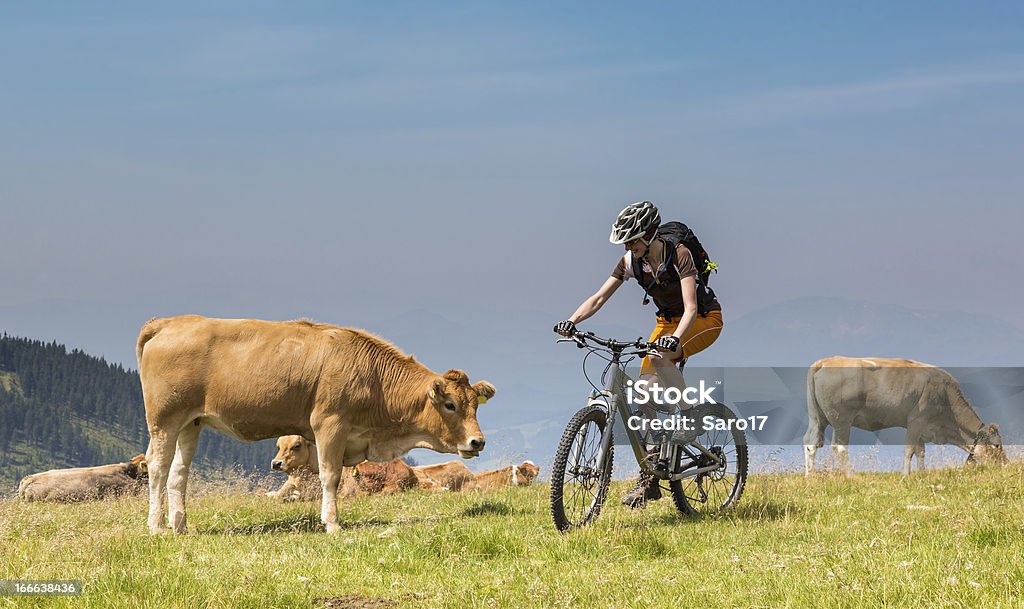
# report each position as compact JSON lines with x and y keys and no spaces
{"x":667,"y":294}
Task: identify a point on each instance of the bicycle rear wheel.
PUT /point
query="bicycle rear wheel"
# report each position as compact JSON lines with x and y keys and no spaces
{"x":720,"y":488}
{"x":579,"y":484}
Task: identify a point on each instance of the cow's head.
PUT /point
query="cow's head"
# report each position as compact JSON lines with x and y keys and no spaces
{"x":137,"y":467}
{"x":454,"y":402}
{"x":526,"y":472}
{"x":293,"y":453}
{"x":988,"y":446}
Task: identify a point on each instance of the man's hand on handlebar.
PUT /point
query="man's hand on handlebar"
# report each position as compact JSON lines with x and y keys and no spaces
{"x":668,"y":343}
{"x":565,"y":328}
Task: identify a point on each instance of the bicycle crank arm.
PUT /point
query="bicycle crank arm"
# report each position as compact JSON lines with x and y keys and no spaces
{"x":692,"y":473}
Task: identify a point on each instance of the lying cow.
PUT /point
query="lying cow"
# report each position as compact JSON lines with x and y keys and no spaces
{"x":382,"y":478}
{"x":296,"y":456}
{"x":86,"y":483}
{"x":356,"y":395}
{"x":513,"y":475}
{"x":878,"y":393}
{"x":449,"y":476}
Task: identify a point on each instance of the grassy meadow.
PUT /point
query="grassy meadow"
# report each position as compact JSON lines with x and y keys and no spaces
{"x":946,"y":538}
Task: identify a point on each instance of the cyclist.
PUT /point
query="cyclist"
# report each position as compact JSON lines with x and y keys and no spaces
{"x":670,"y":277}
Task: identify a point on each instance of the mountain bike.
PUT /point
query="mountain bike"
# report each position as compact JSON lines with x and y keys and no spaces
{"x":706,"y":468}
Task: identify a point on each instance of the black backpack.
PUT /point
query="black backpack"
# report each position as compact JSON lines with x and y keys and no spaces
{"x":675,"y":233}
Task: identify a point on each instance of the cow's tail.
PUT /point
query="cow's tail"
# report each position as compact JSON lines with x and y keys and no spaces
{"x":816,"y":420}
{"x":149,"y":330}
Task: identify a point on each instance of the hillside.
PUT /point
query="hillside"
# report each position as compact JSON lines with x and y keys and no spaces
{"x":70,"y":409}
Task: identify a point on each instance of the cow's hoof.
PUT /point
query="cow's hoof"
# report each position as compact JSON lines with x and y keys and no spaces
{"x":333,"y":527}
{"x":158,"y":530}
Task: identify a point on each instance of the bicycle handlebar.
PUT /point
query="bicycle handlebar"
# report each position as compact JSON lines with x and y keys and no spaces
{"x":616,"y":346}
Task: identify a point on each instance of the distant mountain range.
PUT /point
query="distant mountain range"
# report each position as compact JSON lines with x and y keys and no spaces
{"x":800,"y":331}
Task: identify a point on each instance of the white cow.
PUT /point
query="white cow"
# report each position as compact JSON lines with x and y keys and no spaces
{"x":878,"y":393}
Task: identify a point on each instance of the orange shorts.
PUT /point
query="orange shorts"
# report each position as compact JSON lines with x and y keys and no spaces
{"x":702,"y":332}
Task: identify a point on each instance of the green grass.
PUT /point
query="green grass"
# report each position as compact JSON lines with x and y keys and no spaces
{"x":11,"y":382}
{"x":950,"y":538}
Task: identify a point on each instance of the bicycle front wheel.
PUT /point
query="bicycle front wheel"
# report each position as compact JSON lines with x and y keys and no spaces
{"x":579,"y":483}
{"x":719,"y":488}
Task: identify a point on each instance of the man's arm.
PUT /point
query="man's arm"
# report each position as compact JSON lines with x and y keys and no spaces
{"x":594,"y":303}
{"x":689,"y":287}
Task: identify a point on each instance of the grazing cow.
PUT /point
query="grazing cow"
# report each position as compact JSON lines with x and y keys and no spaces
{"x":86,"y":483}
{"x":296,"y":456}
{"x":878,"y":393}
{"x":357,"y":396}
{"x":449,"y":476}
{"x":513,"y":475}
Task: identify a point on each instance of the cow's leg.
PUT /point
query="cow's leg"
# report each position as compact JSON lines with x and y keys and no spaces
{"x":908,"y":455}
{"x":809,"y":451}
{"x":912,"y":445}
{"x":330,"y":450}
{"x":841,"y":446}
{"x":177,"y":481}
{"x":158,"y":461}
{"x":285,"y":491}
{"x":813,"y":440}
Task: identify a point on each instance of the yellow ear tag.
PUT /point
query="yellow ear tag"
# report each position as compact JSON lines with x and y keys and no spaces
{"x":481,"y":400}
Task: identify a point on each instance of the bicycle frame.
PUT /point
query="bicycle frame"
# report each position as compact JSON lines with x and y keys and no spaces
{"x":615,"y":379}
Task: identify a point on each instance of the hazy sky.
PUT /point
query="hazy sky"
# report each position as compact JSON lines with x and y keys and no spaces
{"x":354,"y":162}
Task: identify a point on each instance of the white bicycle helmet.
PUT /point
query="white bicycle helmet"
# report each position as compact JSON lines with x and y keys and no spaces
{"x":634,"y":221}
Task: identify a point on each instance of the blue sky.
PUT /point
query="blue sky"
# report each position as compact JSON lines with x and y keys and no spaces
{"x":357,"y":162}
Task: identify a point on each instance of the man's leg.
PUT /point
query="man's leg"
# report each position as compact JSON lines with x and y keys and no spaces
{"x":646,"y":487}
{"x":665,"y":370}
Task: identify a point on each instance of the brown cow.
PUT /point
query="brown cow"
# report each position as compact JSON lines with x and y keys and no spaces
{"x":513,"y":475}
{"x":296,"y":456}
{"x":449,"y":476}
{"x":357,"y":396}
{"x":425,"y":482}
{"x":878,"y":393}
{"x":383,"y":478}
{"x":86,"y":483}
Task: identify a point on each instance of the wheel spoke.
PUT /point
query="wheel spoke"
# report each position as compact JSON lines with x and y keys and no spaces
{"x":717,"y":488}
{"x":579,"y":482}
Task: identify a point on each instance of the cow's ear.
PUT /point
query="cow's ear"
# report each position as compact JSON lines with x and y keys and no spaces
{"x":437,"y":395}
{"x":484,"y":391}
{"x":139,"y":464}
